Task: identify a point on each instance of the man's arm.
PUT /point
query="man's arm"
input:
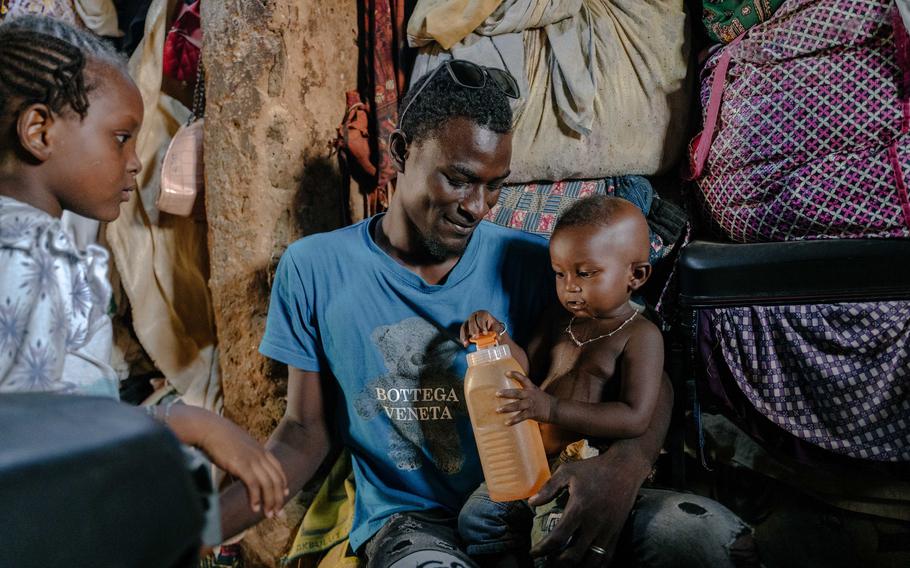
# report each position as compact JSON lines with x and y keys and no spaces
{"x":300,"y":442}
{"x":602,"y":491}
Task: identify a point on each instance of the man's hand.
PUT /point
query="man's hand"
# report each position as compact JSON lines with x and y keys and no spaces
{"x":602,"y":491}
{"x":601,"y":495}
{"x":529,"y":402}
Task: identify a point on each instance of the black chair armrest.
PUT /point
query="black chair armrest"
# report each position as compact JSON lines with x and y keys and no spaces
{"x":87,"y":481}
{"x":796,"y":272}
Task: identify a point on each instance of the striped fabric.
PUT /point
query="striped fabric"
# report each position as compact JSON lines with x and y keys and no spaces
{"x":535,"y":207}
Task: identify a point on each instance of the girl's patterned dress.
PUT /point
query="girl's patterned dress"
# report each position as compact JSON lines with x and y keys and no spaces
{"x":55,"y":332}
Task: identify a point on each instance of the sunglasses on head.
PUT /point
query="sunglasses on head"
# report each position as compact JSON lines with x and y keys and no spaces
{"x":469,"y":75}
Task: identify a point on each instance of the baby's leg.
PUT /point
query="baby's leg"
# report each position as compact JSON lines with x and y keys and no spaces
{"x":492,"y":529}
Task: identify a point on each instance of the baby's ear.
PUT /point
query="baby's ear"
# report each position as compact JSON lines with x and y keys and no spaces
{"x":33,"y":128}
{"x":641,"y":271}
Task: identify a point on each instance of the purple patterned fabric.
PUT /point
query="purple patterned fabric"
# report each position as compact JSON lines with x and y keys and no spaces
{"x":836,"y":376}
{"x":812,"y":139}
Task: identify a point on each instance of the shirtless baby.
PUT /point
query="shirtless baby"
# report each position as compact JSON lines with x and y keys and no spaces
{"x":595,"y":366}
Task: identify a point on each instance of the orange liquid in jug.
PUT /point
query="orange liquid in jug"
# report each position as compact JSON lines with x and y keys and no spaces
{"x":513,"y":458}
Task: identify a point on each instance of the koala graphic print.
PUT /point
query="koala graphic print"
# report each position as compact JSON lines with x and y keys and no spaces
{"x":419,"y":395}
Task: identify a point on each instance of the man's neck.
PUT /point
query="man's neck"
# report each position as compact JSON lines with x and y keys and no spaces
{"x":392,"y":234}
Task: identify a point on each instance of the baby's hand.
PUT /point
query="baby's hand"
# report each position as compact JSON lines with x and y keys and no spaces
{"x":530,"y":403}
{"x":234,"y":451}
{"x":478,"y":323}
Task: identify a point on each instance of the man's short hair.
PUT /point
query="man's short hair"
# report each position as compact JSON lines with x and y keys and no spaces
{"x":443,"y":99}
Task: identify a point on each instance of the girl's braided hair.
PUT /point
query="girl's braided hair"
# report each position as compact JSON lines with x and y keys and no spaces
{"x":42,"y":60}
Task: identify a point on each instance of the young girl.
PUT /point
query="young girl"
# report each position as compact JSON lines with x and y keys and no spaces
{"x":598,"y":363}
{"x":69,"y":116}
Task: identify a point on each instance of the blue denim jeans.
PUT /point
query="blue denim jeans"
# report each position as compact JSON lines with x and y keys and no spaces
{"x":669,"y":528}
{"x":417,"y":538}
{"x":493,"y":527}
{"x":665,"y":529}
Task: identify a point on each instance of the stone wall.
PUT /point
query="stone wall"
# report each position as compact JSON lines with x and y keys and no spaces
{"x":277,"y":71}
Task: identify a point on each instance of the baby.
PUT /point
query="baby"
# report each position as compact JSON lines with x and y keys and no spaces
{"x":594,"y":368}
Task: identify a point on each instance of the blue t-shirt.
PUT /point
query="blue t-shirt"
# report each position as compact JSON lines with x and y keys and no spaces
{"x":341,"y":304}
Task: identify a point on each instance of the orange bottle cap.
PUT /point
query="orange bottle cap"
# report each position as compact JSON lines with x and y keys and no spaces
{"x":486,"y":340}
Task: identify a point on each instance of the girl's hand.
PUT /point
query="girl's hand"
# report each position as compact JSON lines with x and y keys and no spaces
{"x":478,"y":323}
{"x":530,"y":403}
{"x":233,"y":450}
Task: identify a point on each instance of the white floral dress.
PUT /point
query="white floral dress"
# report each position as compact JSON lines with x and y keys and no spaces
{"x":55,"y":332}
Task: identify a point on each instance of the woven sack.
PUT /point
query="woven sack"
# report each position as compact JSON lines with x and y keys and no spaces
{"x":806,"y":126}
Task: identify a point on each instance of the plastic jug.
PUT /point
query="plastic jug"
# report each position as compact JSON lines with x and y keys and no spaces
{"x":513,"y":459}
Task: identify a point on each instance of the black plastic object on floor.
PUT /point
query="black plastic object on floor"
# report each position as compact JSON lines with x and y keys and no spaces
{"x":86,"y":481}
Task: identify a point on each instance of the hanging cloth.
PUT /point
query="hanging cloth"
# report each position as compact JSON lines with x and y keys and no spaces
{"x":450,"y":21}
{"x":63,"y":10}
{"x":100,"y":16}
{"x":727,"y":19}
{"x":183,"y":43}
{"x":162,"y":259}
{"x":603,"y":82}
{"x":499,"y":42}
{"x":372,"y":110}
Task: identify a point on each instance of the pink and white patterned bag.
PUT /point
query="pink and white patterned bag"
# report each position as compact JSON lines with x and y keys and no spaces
{"x":807,"y":126}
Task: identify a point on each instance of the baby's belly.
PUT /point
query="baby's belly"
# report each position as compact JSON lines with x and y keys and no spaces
{"x":581,"y":387}
{"x":556,"y":438}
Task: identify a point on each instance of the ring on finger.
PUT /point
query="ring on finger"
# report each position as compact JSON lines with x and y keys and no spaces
{"x":597,"y":550}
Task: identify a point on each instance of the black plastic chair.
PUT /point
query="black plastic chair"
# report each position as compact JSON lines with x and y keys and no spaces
{"x":86,"y":481}
{"x":713,"y":275}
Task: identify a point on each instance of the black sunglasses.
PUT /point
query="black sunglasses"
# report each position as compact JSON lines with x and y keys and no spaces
{"x":469,"y":75}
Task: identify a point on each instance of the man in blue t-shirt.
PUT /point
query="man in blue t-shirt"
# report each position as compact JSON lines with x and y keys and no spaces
{"x":368,"y":317}
{"x":344,"y":306}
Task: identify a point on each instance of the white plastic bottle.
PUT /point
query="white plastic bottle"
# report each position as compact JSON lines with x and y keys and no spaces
{"x":513,"y":458}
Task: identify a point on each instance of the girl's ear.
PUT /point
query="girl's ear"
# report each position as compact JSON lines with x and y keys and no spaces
{"x":641,"y":271}
{"x":398,"y":149}
{"x":33,"y":127}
